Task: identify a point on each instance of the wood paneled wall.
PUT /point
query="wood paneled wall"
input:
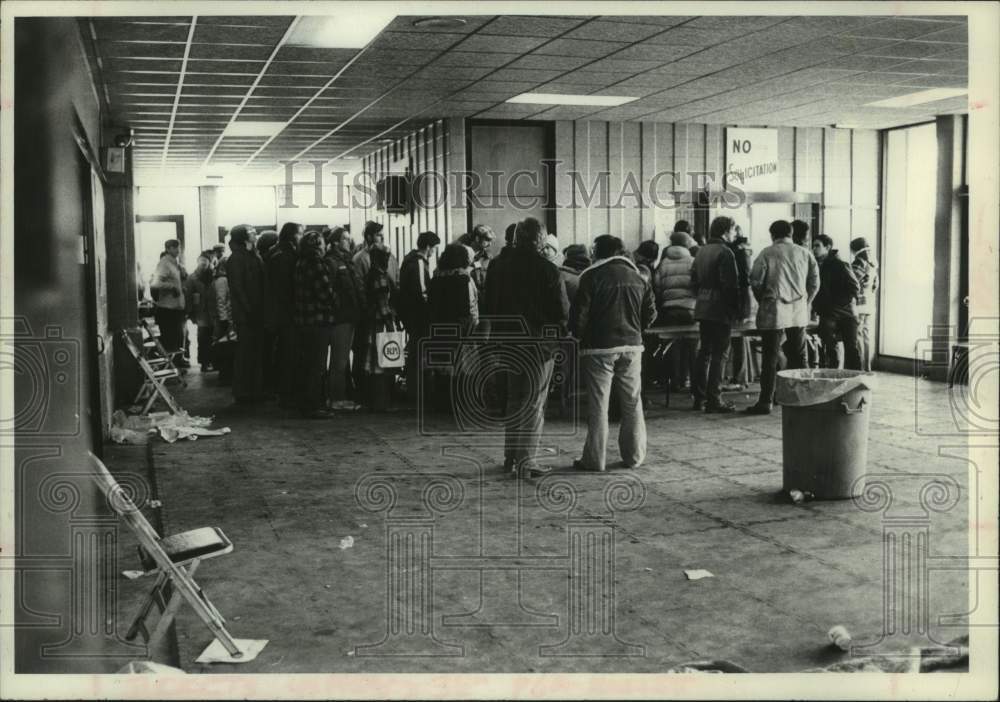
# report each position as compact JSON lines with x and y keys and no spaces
{"x":839,"y":166}
{"x":430,"y":155}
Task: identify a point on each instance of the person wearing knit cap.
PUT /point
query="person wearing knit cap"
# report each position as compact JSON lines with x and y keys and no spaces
{"x":865,"y":269}
{"x":576,"y":259}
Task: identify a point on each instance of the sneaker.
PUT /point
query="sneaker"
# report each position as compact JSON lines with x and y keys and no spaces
{"x":698,"y":406}
{"x":725,"y":408}
{"x":345,"y":406}
{"x":757,"y":409}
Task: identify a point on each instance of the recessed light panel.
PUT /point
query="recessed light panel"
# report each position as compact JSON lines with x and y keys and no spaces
{"x":348,"y":31}
{"x":557,"y":99}
{"x":252,"y":129}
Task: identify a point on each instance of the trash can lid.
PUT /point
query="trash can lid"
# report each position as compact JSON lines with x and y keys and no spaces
{"x":813,"y":386}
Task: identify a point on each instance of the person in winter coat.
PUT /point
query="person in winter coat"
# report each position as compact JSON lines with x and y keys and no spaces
{"x":784,"y":280}
{"x":675,"y":302}
{"x":167,"y":289}
{"x":280,"y":269}
{"x":866,"y":271}
{"x":645,"y":259}
{"x":224,"y":338}
{"x":247,"y":282}
{"x":835,"y":305}
{"x":198,"y":310}
{"x":414,"y":285}
{"x":314,"y":307}
{"x":526,"y":286}
{"x":453,"y":302}
{"x":371,"y":238}
{"x":740,"y":350}
{"x":613,"y":308}
{"x":575,"y":261}
{"x":349,"y":304}
{"x":715,"y":282}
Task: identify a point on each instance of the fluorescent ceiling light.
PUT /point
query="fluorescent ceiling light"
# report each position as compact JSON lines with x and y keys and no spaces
{"x":349,"y":31}
{"x":919,"y":98}
{"x":252,"y":129}
{"x":556,"y":99}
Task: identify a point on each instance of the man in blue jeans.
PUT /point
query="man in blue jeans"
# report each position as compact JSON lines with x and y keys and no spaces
{"x":612,"y":308}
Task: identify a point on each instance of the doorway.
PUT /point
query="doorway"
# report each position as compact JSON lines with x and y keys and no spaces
{"x":151,"y":232}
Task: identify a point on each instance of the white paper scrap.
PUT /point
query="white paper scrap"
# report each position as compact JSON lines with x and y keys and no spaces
{"x":346,"y":542}
{"x":697,"y":574}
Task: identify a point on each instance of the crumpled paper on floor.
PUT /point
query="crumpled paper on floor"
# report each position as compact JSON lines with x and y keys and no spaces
{"x":136,"y":429}
{"x":814,"y":386}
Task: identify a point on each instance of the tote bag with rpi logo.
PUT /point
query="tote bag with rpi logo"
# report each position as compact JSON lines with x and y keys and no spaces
{"x":390,"y":345}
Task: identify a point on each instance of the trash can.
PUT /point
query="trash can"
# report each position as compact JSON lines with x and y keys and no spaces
{"x":824,"y":430}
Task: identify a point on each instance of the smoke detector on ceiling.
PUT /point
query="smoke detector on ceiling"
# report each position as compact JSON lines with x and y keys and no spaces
{"x":439,"y":22}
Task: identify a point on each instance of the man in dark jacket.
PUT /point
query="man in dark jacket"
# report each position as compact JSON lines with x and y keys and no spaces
{"x":314,"y":307}
{"x":834,"y":303}
{"x":525,"y":286}
{"x":348,"y":302}
{"x":714,"y":281}
{"x":246,"y":293}
{"x":414,"y":282}
{"x":613,"y":306}
{"x":280,"y":267}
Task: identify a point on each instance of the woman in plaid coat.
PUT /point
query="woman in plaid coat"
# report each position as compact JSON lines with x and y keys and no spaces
{"x":380,"y":292}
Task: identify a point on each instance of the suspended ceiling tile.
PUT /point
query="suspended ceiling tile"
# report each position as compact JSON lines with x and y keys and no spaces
{"x":744,"y":24}
{"x":141,"y":65}
{"x":660,"y":53}
{"x":473,"y":58}
{"x":229,"y":80}
{"x":865,"y":63}
{"x":246,"y":20}
{"x":113,"y":29}
{"x":217,"y":66}
{"x":562,"y":63}
{"x":938,"y":81}
{"x":614,"y":31}
{"x":415,"y":40}
{"x":527,"y":75}
{"x":233,"y":52}
{"x":210,"y":34}
{"x":953,"y":35}
{"x":536,"y":26}
{"x":687,"y":36}
{"x":131,"y":49}
{"x":899,"y":28}
{"x":580,"y":47}
{"x":933,"y":66}
{"x":662,"y":20}
{"x":491,"y":43}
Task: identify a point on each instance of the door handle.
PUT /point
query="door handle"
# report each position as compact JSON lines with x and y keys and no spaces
{"x":100,"y":344}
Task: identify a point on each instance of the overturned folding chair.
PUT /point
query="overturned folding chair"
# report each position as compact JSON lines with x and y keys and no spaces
{"x":174,"y":560}
{"x":154,"y":382}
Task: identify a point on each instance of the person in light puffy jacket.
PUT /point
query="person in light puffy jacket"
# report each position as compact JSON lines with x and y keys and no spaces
{"x":865,"y":269}
{"x":675,"y":301}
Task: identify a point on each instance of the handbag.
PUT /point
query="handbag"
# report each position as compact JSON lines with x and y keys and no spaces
{"x":390,"y":346}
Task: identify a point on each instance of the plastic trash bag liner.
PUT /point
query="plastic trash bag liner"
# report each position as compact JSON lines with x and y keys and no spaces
{"x":814,"y":386}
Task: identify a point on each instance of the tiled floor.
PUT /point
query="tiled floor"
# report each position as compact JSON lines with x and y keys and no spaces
{"x":287,"y":491}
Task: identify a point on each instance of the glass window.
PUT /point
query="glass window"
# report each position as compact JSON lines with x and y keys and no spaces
{"x":910,"y":191}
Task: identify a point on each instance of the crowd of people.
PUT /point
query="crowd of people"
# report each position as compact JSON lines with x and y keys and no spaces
{"x":302,"y":317}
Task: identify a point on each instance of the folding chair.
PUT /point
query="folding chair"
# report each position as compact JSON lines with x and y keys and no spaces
{"x":154,"y":383}
{"x":174,"y":560}
{"x":153,"y":349}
